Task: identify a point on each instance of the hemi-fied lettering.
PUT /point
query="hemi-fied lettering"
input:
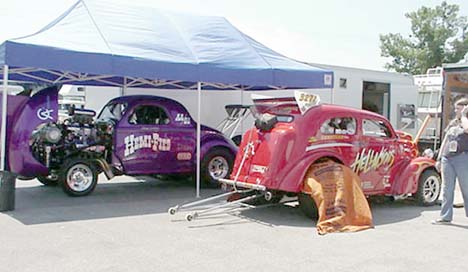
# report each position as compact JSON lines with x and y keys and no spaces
{"x":150,"y":141}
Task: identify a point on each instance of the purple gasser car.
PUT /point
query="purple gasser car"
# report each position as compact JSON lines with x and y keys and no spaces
{"x":133,"y":135}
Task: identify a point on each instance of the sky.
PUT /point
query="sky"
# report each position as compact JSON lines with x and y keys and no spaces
{"x":334,"y":32}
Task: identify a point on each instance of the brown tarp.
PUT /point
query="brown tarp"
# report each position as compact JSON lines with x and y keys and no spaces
{"x":336,"y":190}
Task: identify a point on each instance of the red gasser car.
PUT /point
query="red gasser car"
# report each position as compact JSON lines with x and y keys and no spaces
{"x":291,"y":134}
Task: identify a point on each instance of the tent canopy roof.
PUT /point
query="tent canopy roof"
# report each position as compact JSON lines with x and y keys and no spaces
{"x":104,"y":43}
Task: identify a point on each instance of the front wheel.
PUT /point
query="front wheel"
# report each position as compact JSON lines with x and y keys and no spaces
{"x":429,"y":188}
{"x":216,"y":164}
{"x":78,"y":177}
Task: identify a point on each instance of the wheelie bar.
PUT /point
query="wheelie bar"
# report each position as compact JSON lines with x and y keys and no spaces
{"x":255,"y":190}
{"x":239,"y":203}
{"x":175,"y":209}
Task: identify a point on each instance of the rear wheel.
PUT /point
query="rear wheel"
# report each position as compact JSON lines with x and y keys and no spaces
{"x":429,"y":188}
{"x":216,"y":164}
{"x":307,"y":205}
{"x":78,"y":177}
{"x":47,"y":181}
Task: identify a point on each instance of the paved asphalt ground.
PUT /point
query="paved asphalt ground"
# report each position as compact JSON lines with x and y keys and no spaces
{"x":124,"y":226}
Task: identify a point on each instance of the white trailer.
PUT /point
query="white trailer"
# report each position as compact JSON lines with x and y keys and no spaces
{"x":390,"y":94}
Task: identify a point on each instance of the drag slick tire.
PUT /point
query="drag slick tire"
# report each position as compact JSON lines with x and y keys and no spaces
{"x":307,"y":205}
{"x":78,"y":177}
{"x":216,"y":164}
{"x":47,"y":181}
{"x":429,"y":188}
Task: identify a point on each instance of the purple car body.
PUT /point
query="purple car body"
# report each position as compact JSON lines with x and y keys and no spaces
{"x":170,"y":144}
{"x":24,"y":116}
{"x":133,"y":135}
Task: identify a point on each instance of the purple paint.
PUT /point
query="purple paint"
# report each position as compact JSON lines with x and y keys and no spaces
{"x":25,"y":115}
{"x":166,"y":146}
{"x":180,"y":129}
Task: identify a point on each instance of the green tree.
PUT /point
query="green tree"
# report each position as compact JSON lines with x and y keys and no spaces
{"x":438,"y":35}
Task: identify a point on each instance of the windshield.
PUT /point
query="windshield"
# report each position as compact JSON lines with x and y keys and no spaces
{"x":113,"y":111}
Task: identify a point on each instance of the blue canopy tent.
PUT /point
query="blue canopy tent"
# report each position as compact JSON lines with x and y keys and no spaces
{"x":102,"y":43}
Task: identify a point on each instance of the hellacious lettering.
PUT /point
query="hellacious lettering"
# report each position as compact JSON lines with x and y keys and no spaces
{"x":152,"y":141}
{"x":372,"y":160}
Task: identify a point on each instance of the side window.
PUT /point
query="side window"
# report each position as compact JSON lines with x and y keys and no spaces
{"x":375,"y":128}
{"x":339,"y":125}
{"x":148,"y":115}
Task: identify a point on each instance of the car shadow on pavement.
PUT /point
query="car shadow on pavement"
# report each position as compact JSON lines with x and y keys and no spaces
{"x":145,"y":195}
{"x":383,"y":212}
{"x":126,"y":197}
{"x":388,"y":212}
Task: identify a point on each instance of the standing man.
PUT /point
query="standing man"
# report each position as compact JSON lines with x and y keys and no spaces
{"x":453,"y":161}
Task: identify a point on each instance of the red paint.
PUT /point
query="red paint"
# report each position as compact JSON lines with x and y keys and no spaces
{"x":281,"y":156}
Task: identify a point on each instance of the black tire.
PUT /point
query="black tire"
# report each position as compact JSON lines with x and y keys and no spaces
{"x":429,"y":188}
{"x":217,"y":163}
{"x":307,"y":205}
{"x":78,"y":177}
{"x":47,"y":181}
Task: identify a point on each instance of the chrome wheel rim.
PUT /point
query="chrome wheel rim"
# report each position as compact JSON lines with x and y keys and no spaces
{"x":79,"y":177}
{"x":218,"y":167}
{"x":431,"y":189}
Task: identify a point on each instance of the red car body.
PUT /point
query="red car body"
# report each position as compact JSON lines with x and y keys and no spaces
{"x":387,"y":161}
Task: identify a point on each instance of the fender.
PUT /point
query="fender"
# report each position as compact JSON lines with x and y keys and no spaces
{"x":293,"y":180}
{"x":106,"y":168}
{"x":209,"y":141}
{"x":407,"y":181}
{"x":41,"y":108}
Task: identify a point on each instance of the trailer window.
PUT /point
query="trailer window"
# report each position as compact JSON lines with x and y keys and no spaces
{"x":429,"y":99}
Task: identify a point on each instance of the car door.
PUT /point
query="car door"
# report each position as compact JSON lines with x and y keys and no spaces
{"x":146,"y":140}
{"x":377,"y":156}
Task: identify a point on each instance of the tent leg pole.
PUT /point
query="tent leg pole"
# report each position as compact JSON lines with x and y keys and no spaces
{"x":198,"y":138}
{"x":4,"y":117}
{"x":123,"y":90}
{"x":332,"y":99}
{"x":242,"y":120}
